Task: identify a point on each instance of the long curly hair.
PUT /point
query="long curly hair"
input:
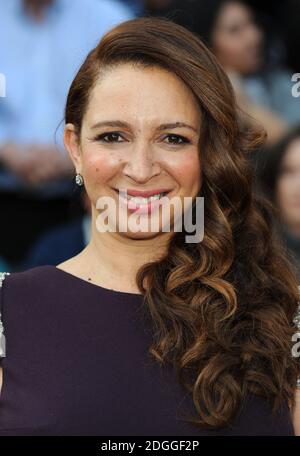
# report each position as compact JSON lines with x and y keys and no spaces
{"x":221,"y":309}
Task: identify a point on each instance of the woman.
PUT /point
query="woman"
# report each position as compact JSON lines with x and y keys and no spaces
{"x":280,"y":179}
{"x":144,"y":333}
{"x":231,"y":30}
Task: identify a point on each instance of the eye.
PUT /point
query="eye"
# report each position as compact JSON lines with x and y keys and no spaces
{"x":177,"y":138}
{"x":112,"y":135}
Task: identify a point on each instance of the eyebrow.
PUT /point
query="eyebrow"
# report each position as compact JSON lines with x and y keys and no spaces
{"x":166,"y":126}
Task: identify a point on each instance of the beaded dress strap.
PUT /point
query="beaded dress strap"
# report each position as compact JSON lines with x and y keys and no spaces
{"x":2,"y":336}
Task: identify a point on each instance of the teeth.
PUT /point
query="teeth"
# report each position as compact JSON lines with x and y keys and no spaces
{"x":155,"y":197}
{"x":140,"y":200}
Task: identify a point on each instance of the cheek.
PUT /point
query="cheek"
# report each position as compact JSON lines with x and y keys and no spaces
{"x":232,"y":51}
{"x":284,"y":188}
{"x":186,"y":170}
{"x":100,"y":166}
{"x":224,"y":47}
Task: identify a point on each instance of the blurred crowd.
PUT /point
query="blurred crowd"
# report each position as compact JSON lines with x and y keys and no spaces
{"x":45,"y":216}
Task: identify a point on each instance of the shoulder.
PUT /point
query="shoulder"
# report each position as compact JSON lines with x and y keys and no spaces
{"x":23,"y":292}
{"x":29,"y":279}
{"x":29,"y":302}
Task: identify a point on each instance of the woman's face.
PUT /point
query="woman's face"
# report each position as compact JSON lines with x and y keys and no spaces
{"x":288,"y":187}
{"x":125,"y":143}
{"x":236,"y":39}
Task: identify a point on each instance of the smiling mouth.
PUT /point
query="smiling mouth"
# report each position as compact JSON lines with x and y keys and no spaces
{"x":141,"y":205}
{"x":140,"y":200}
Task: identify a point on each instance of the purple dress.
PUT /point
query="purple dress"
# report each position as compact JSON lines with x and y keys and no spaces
{"x":77,"y":363}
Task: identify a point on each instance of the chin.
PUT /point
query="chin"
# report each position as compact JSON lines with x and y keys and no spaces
{"x":140,"y":235}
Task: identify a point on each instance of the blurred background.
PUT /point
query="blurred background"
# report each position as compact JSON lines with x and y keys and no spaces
{"x":45,"y":216}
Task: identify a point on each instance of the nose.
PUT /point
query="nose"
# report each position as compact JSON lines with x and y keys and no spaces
{"x":141,"y":164}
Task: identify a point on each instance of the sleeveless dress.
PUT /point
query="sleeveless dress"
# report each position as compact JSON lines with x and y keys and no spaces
{"x":77,"y":363}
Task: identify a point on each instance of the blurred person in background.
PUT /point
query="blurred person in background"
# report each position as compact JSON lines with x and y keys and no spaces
{"x":230,"y":29}
{"x":42,"y":44}
{"x":137,"y":6}
{"x":60,"y":243}
{"x":281,"y":22}
{"x":291,"y":32}
{"x":280,"y":180}
{"x":152,"y":111}
{"x":157,"y":7}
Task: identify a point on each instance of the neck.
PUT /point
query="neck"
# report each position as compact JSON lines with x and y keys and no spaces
{"x":114,"y":259}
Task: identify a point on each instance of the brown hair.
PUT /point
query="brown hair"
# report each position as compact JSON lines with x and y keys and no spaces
{"x":221,"y":309}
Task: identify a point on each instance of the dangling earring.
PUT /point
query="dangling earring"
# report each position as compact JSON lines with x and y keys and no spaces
{"x":79,"y":179}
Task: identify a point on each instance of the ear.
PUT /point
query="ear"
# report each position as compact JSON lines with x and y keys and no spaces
{"x":72,"y":145}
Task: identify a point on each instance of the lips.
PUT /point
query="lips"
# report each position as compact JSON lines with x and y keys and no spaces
{"x":144,"y":193}
{"x":142,"y":202}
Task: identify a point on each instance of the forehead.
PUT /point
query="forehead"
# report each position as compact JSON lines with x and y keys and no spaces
{"x":142,"y":95}
{"x":232,"y":12}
